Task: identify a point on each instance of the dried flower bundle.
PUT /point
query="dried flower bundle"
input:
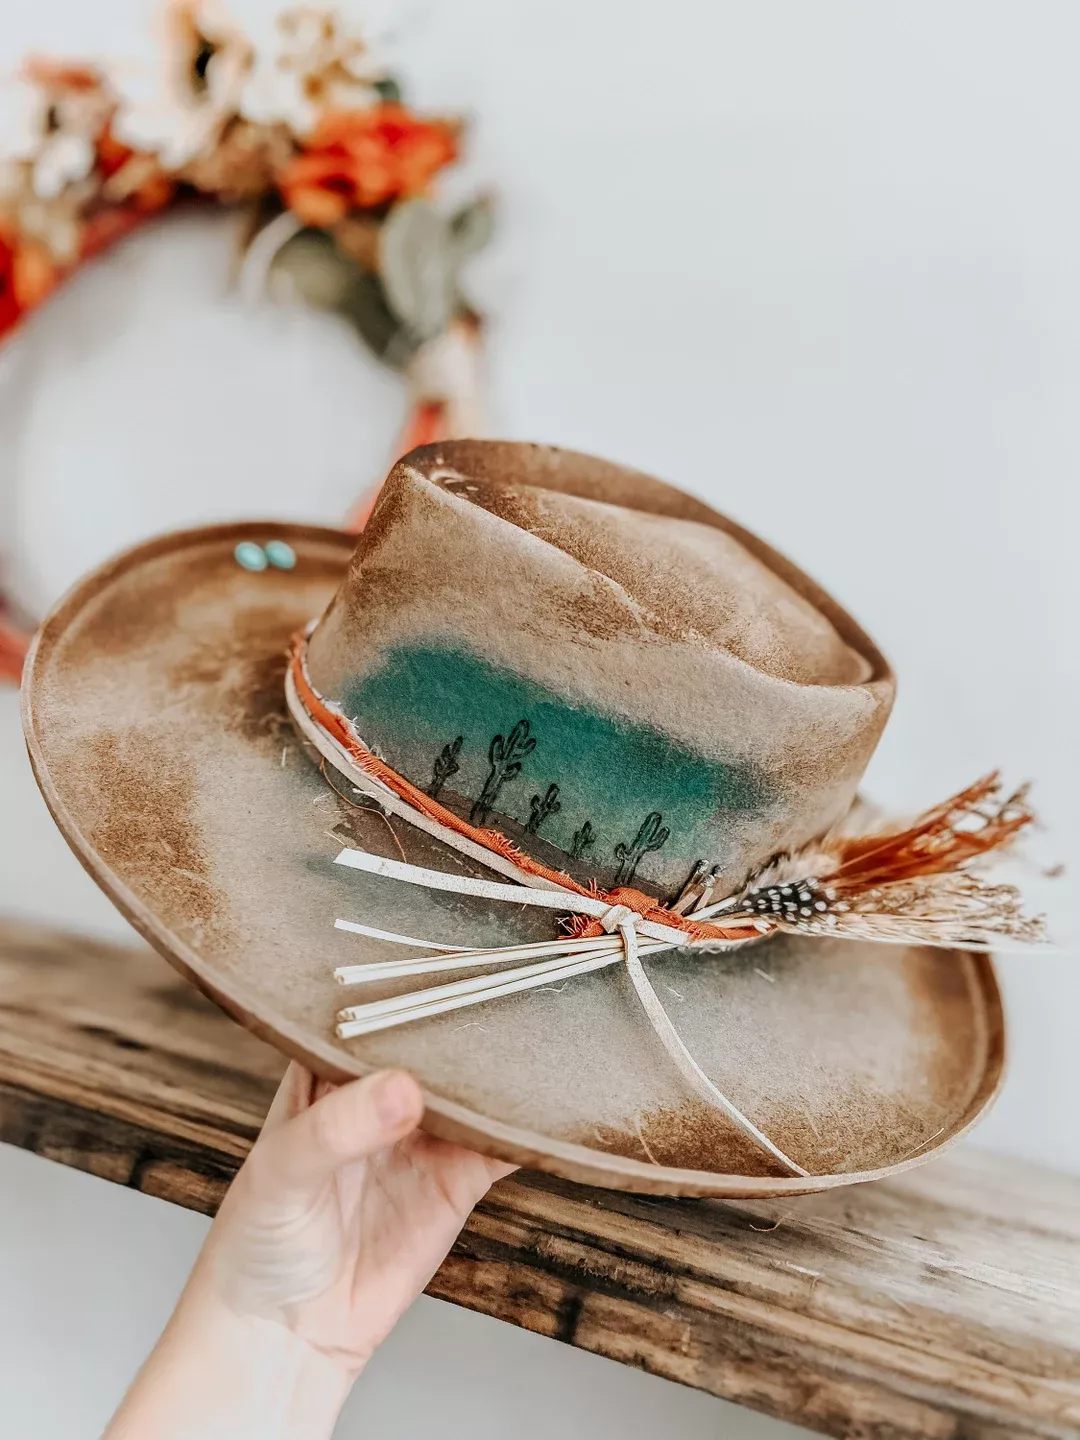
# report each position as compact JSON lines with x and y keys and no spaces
{"x":304,"y":124}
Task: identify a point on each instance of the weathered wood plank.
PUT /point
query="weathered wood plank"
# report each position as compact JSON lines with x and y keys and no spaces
{"x":943,"y":1303}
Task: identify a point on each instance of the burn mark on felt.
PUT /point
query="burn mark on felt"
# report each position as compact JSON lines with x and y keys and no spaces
{"x":146,"y":831}
{"x":132,"y":615}
{"x":691,"y":1135}
{"x":246,"y":665}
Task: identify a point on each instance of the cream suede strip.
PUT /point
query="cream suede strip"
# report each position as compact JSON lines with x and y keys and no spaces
{"x":570,"y":957}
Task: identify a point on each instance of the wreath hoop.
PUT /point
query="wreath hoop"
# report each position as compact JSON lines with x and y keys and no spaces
{"x":305,"y":129}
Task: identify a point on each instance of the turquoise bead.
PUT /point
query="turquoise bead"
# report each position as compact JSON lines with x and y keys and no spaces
{"x":250,"y":555}
{"x":280,"y":554}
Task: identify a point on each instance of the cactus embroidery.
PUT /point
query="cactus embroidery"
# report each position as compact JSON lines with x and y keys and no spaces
{"x":583,"y":841}
{"x":540,"y":807}
{"x":651,"y":835}
{"x":445,"y":766}
{"x":505,"y":754}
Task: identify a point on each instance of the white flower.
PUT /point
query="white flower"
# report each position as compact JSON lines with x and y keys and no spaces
{"x":51,"y":126}
{"x":304,"y":65}
{"x":63,"y":160}
{"x":178,"y":109}
{"x":286,"y":70}
{"x":56,"y":221}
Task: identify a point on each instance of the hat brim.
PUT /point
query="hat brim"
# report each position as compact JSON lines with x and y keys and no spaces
{"x":157,"y":728}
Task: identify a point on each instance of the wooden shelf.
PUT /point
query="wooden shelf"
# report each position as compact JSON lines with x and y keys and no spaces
{"x":943,"y":1303}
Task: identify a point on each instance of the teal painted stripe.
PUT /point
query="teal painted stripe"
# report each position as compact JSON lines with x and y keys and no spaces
{"x":609,"y":773}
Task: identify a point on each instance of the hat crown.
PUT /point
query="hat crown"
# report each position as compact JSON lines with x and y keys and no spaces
{"x":616,"y":677}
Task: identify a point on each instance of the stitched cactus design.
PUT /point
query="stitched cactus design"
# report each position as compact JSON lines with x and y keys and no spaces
{"x":445,"y":766}
{"x":505,"y":754}
{"x":651,"y":835}
{"x":583,"y":841}
{"x":540,"y":807}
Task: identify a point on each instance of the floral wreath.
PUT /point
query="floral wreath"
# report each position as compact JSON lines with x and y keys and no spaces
{"x":307,"y":131}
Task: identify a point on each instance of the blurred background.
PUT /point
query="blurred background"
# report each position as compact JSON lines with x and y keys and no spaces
{"x":819,"y":265}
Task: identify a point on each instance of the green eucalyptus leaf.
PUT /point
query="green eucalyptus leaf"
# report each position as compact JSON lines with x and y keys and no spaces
{"x":366,"y":308}
{"x":472,"y":227}
{"x":388,"y":89}
{"x":310,"y":267}
{"x":418,"y":266}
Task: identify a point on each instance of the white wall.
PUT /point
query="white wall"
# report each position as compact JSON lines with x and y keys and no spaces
{"x":820,"y":264}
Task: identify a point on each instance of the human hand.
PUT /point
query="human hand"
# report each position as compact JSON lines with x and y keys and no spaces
{"x":337,"y":1220}
{"x":342,"y":1213}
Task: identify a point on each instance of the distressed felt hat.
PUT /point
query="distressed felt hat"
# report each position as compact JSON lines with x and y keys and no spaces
{"x":546,"y":790}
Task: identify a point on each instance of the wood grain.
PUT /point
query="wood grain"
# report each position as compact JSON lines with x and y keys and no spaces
{"x":942,"y":1303}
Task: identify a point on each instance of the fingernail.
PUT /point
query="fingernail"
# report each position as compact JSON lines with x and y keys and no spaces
{"x":394,"y":1097}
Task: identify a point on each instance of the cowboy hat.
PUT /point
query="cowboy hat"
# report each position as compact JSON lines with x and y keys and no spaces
{"x":565,"y":738}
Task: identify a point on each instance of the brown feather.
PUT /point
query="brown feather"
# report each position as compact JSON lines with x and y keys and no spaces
{"x":917,"y":884}
{"x":966,"y":828}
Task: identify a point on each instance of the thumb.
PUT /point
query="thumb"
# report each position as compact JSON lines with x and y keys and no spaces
{"x":346,"y":1124}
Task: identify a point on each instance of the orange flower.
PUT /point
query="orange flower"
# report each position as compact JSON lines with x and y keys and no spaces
{"x":155,"y":192}
{"x":61,"y":74}
{"x":27,"y":274}
{"x":131,"y":176}
{"x":112,"y":153}
{"x":355,"y":160}
{"x":10,"y":309}
{"x":33,"y":274}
